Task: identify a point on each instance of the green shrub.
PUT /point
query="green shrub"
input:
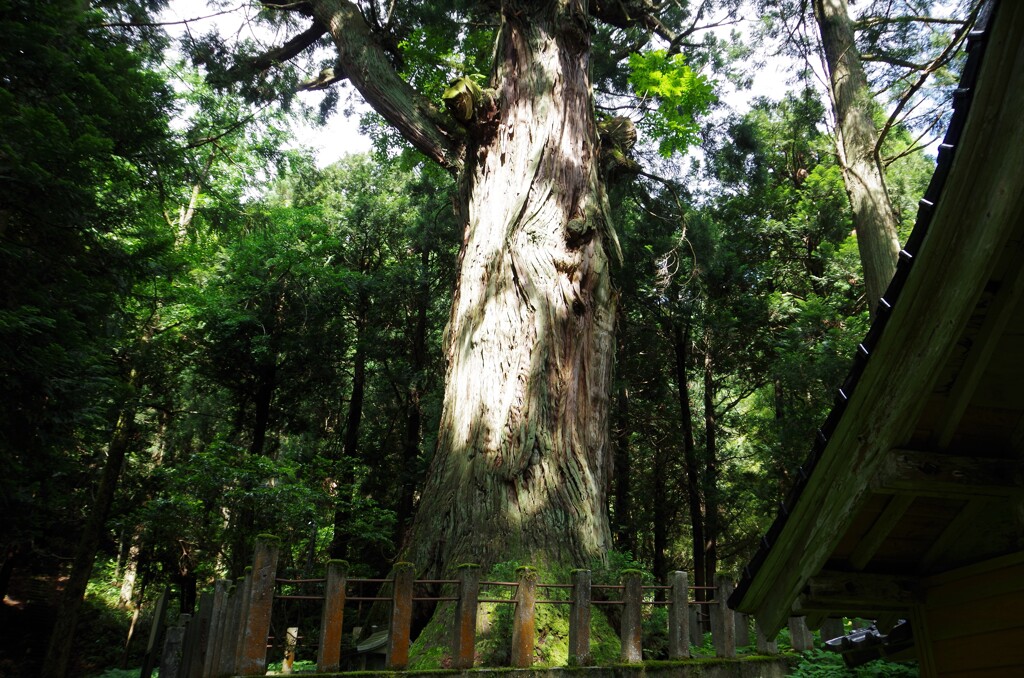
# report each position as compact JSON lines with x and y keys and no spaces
{"x":823,"y":664}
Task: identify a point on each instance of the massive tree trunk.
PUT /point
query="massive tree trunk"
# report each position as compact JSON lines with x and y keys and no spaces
{"x":856,"y":139}
{"x":522,"y":463}
{"x":523,"y":459}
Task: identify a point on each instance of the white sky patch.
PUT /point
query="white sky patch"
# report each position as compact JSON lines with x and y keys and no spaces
{"x":338,"y":138}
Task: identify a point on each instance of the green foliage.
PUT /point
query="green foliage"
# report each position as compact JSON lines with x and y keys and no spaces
{"x":83,"y":133}
{"x":221,"y":291}
{"x":681,"y":93}
{"x":823,"y":664}
{"x":122,"y":673}
{"x":462,"y":96}
{"x":749,"y":292}
{"x":107,"y":623}
{"x":494,"y":642}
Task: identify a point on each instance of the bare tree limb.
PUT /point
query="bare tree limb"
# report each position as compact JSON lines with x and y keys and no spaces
{"x":942,"y":59}
{"x":154,"y":24}
{"x":290,"y":49}
{"x":893,"y":61}
{"x":868,"y":22}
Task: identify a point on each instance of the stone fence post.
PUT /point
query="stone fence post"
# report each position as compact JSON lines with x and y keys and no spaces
{"x":174,"y":640}
{"x":679,"y":615}
{"x":328,"y":656}
{"x":765,"y":646}
{"x":632,"y":594}
{"x":524,"y":620}
{"x":464,"y":636}
{"x":800,"y":638}
{"x":579,"y":619}
{"x":258,"y":606}
{"x":723,"y":621}
{"x":401,"y":617}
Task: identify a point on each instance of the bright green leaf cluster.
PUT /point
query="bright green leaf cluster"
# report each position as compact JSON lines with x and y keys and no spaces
{"x":681,"y":95}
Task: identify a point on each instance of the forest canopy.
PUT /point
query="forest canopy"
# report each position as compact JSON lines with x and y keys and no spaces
{"x":584,"y":304}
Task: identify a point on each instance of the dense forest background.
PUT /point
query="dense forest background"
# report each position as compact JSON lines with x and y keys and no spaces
{"x":205,"y":335}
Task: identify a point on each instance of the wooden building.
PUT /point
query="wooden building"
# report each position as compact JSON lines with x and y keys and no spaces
{"x":911,"y":505}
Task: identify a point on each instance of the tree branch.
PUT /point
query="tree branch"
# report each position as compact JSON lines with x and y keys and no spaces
{"x":868,"y":22}
{"x":154,"y":24}
{"x":629,"y":13}
{"x":369,"y":70}
{"x":893,"y":61}
{"x":300,"y":6}
{"x":958,"y":37}
{"x":290,"y":49}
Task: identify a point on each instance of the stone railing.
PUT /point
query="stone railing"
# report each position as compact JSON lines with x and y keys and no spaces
{"x":229,"y":635}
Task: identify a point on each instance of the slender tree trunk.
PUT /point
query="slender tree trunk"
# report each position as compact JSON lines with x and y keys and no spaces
{"x":856,"y":138}
{"x":139,"y":602}
{"x":695,"y":501}
{"x":187,"y":590}
{"x":523,"y":459}
{"x":58,"y":654}
{"x":710,"y":464}
{"x":661,"y":512}
{"x":413,"y":413}
{"x":243,"y":522}
{"x":350,"y":441}
{"x":625,"y":530}
{"x":266,"y":384}
{"x":131,"y":569}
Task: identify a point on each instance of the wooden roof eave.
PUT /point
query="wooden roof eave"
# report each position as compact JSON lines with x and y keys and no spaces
{"x":981,"y":206}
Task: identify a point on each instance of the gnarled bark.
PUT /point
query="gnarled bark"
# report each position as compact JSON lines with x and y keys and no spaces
{"x":523,"y":457}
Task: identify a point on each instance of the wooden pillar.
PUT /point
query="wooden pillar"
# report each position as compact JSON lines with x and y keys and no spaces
{"x":579,"y":620}
{"x":332,"y":618}
{"x":765,"y":646}
{"x":523,"y":618}
{"x":723,"y":622}
{"x":800,"y":638}
{"x":218,"y":617}
{"x":260,"y":603}
{"x":401,"y":617}
{"x":678,"y":615}
{"x":464,"y":636}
